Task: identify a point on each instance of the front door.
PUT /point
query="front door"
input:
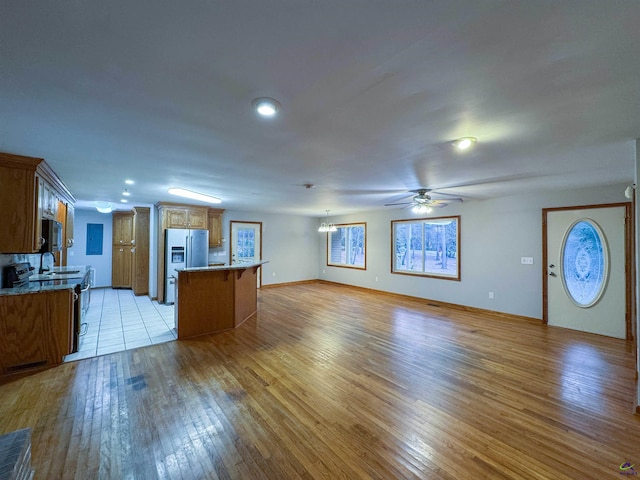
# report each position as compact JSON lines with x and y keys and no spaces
{"x":246,"y":243}
{"x":585,"y":281}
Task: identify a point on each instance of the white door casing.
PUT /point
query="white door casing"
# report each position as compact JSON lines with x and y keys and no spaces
{"x":574,"y":299}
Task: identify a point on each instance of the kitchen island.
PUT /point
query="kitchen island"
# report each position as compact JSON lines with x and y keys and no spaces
{"x":214,"y":299}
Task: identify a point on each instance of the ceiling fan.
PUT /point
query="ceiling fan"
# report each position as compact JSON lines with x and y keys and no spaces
{"x":422,"y":202}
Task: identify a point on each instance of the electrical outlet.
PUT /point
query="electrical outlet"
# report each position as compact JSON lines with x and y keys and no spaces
{"x":324,"y":271}
{"x":491,"y":295}
{"x":376,"y":279}
{"x":273,"y":274}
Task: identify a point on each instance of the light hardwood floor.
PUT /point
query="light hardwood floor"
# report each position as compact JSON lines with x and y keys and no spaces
{"x":336,"y":382}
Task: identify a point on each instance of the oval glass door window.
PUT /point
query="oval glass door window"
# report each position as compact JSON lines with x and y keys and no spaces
{"x":584,"y":263}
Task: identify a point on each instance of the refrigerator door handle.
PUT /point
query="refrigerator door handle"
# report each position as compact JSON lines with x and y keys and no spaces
{"x":187,"y":253}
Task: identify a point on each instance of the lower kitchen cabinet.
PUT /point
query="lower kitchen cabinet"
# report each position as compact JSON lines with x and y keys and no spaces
{"x":121,"y":263}
{"x":36,"y":331}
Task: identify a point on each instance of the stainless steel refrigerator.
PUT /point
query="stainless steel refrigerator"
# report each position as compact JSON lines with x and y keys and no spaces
{"x":183,"y":249}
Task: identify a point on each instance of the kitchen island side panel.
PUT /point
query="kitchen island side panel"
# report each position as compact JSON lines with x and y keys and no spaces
{"x":205,"y":303}
{"x":246,"y":294}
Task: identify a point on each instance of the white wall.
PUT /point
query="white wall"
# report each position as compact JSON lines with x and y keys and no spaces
{"x":289,"y":244}
{"x":78,"y":253}
{"x":494,"y":235}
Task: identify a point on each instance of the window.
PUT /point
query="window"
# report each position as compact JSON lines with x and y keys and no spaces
{"x":346,"y":247}
{"x":427,"y":247}
{"x":584,"y":263}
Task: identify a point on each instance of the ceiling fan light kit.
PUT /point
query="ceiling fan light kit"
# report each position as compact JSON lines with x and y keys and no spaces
{"x":422,"y":208}
{"x":422,"y":202}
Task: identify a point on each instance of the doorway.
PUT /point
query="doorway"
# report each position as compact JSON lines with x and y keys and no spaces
{"x":246,"y":244}
{"x":586,"y":280}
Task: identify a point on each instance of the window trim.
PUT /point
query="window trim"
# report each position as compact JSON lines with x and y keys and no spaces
{"x":456,"y":277}
{"x":343,"y":265}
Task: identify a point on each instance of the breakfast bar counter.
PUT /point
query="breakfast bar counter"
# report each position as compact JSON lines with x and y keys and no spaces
{"x":214,"y":299}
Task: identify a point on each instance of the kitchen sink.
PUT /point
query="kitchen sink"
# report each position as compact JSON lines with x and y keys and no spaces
{"x":63,"y":272}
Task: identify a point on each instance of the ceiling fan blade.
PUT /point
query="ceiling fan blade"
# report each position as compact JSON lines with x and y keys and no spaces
{"x":392,"y":204}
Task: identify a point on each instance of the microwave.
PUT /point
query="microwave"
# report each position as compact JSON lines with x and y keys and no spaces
{"x":51,"y":236}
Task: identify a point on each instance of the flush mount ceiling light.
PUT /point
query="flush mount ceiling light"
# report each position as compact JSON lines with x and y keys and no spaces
{"x":265,"y":106}
{"x":464,"y":143}
{"x":326,"y":226}
{"x":104,"y":207}
{"x":181,"y":192}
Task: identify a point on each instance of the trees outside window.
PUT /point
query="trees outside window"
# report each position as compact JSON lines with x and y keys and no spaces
{"x":427,"y":247}
{"x":346,"y":247}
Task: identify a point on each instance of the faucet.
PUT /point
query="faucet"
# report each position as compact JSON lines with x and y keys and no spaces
{"x":41,"y":269}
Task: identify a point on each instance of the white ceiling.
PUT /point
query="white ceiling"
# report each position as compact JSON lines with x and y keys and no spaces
{"x":372,"y":93}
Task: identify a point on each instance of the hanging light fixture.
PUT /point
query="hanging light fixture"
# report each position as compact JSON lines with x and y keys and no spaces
{"x":326,"y":226}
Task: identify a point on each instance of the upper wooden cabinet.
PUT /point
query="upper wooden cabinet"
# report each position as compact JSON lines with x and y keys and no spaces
{"x":123,"y":228}
{"x":214,"y":225}
{"x":68,"y":232}
{"x":30,"y":192}
{"x":181,"y":217}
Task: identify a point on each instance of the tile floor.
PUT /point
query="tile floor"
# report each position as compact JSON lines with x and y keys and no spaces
{"x":117,"y":320}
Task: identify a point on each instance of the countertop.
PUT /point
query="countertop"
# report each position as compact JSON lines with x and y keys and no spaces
{"x":60,"y":279}
{"x":235,"y":266}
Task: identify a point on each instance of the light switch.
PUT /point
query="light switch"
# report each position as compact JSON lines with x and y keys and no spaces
{"x":526,"y":260}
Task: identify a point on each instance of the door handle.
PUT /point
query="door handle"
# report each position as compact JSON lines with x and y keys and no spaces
{"x":552,"y":266}
{"x":553,"y":274}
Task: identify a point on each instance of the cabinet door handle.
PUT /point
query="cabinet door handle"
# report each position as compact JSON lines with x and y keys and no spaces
{"x":133,"y":242}
{"x":122,"y":250}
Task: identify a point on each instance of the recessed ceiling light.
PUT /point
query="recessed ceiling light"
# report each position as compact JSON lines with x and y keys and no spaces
{"x":126,"y":193}
{"x":104,"y":207}
{"x":181,"y":192}
{"x":265,"y":106}
{"x":129,"y":181}
{"x":124,"y":200}
{"x":464,"y":142}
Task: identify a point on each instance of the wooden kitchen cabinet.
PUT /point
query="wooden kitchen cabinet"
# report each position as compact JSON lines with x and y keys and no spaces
{"x":130,"y":250}
{"x":178,"y":215}
{"x":29,"y":188}
{"x":214,"y":225}
{"x":68,"y":230}
{"x":186,"y":217}
{"x":140,"y":267}
{"x":36,"y":330}
{"x":121,"y":263}
{"x":123,"y":228}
